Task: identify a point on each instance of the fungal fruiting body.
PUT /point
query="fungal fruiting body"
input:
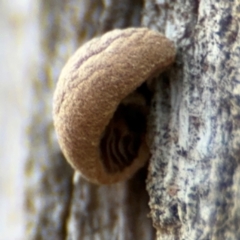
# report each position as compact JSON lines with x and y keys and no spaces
{"x":101,"y":102}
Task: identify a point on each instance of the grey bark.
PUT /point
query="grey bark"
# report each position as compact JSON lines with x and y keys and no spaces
{"x":193,"y":176}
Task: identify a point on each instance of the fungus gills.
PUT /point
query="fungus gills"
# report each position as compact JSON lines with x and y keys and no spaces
{"x":123,"y":135}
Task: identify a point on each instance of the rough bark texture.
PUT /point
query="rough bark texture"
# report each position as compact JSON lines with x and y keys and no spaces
{"x":194,"y":176}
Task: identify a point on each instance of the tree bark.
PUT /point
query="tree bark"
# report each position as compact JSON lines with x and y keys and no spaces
{"x":193,"y":175}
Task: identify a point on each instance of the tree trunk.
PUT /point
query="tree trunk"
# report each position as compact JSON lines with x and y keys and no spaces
{"x":194,"y":173}
{"x":193,"y":178}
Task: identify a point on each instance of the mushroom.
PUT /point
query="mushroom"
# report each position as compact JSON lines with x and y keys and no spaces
{"x":101,"y":102}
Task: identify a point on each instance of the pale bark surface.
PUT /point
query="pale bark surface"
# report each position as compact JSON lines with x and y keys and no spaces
{"x":194,"y":174}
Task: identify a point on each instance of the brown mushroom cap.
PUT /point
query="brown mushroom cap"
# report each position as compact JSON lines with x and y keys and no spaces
{"x":92,"y":84}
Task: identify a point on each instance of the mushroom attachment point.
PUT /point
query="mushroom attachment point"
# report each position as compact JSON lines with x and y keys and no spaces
{"x":102,"y":100}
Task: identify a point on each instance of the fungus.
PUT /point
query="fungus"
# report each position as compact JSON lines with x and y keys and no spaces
{"x":101,"y":102}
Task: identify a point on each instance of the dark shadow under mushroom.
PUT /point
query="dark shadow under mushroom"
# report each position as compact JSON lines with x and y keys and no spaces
{"x":125,"y":132}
